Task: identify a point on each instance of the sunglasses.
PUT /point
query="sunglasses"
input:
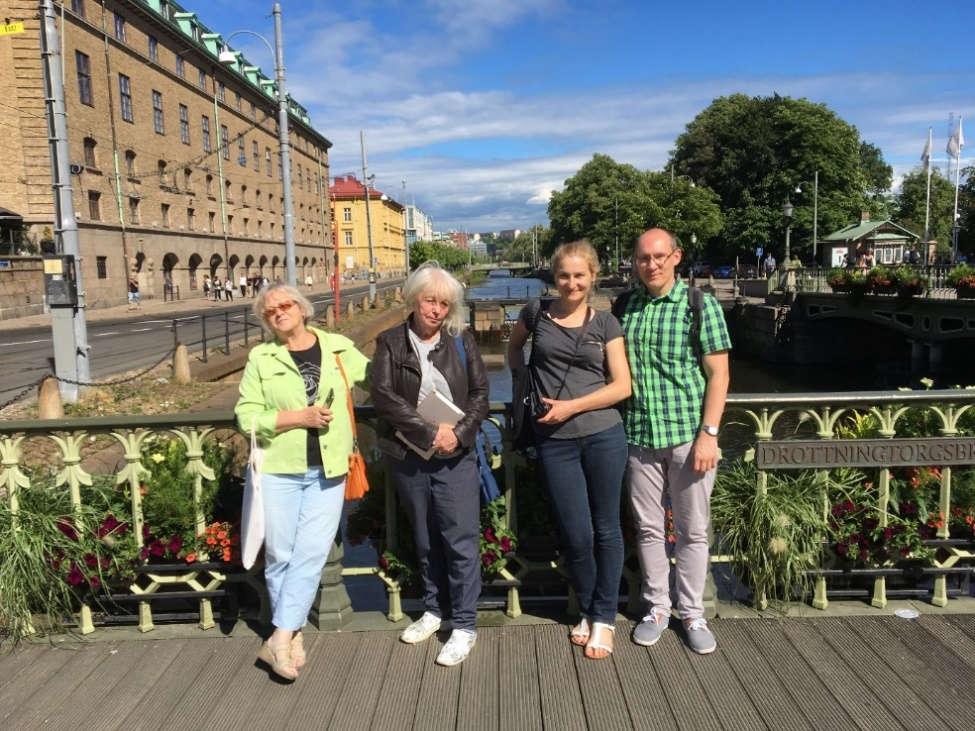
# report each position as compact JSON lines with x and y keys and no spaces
{"x":269,"y":312}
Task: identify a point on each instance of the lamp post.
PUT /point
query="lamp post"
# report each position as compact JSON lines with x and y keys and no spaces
{"x":406,"y":241}
{"x":815,"y":232}
{"x":228,"y":57}
{"x":367,"y":181}
{"x":787,"y":210}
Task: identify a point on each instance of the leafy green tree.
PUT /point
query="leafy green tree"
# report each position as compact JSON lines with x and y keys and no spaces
{"x":611,"y":204}
{"x":966,"y":213}
{"x":754,"y":151}
{"x":449,"y":257}
{"x":911,"y":203}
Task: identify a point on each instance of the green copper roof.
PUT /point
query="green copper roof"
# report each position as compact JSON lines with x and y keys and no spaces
{"x":856,"y":231}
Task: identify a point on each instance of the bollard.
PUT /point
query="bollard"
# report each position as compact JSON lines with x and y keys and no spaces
{"x":330,"y":318}
{"x":247,"y":323}
{"x":181,"y":365}
{"x":49,"y":404}
{"x":226,"y":331}
{"x":203,"y":336}
{"x":365,"y":303}
{"x":350,"y":310}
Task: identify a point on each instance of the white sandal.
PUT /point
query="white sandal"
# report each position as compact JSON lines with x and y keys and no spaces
{"x":594,"y":643}
{"x":580,"y":634}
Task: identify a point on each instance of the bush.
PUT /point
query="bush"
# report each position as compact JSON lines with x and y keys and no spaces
{"x":962,"y":277}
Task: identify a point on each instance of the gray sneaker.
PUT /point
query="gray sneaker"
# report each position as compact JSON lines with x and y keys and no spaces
{"x":699,"y":638}
{"x":651,"y":628}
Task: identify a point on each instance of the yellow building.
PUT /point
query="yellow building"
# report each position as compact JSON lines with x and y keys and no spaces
{"x":351,"y":230}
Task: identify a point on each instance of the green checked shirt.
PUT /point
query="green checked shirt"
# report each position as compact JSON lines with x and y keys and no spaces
{"x":668,"y":385}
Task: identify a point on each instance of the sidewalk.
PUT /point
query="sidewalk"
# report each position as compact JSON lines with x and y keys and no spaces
{"x":150,"y":308}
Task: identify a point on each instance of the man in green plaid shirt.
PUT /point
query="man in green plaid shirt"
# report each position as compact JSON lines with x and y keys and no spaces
{"x":671,"y":421}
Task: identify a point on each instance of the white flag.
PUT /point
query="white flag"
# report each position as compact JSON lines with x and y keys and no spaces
{"x":926,"y":155}
{"x":956,"y":141}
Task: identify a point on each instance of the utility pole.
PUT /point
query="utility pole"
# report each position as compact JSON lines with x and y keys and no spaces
{"x":815,"y":217}
{"x":72,"y":353}
{"x":406,"y":240}
{"x":365,"y":182}
{"x":283,"y":141}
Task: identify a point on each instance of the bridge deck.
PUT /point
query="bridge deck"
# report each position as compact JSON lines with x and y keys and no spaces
{"x":836,"y":673}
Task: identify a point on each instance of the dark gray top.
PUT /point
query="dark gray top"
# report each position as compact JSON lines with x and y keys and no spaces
{"x":554,"y":348}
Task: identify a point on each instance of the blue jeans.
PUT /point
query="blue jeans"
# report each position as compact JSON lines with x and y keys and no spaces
{"x":442,"y":499}
{"x":301,"y":516}
{"x":585,"y":479}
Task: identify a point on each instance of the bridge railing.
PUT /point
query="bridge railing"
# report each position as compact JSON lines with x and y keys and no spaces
{"x":817,"y":279}
{"x":110,"y":482}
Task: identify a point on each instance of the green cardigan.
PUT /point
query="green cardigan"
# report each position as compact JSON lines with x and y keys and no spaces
{"x":272,"y":383}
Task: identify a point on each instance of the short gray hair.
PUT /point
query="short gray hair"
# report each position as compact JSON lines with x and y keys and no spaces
{"x":306,"y":307}
{"x":430,"y":277}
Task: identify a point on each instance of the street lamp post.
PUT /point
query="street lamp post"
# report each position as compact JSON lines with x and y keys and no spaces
{"x":815,"y":231}
{"x":228,"y":57}
{"x":367,"y":180}
{"x":406,"y":241}
{"x":787,"y":210}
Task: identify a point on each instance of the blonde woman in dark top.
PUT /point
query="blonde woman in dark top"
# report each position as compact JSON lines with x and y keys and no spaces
{"x":579,"y":363}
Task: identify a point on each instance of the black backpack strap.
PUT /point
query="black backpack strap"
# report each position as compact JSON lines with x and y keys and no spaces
{"x":695,"y":300}
{"x":620,"y":303}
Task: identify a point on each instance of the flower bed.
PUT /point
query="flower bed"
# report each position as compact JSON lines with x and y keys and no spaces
{"x":962,"y":278}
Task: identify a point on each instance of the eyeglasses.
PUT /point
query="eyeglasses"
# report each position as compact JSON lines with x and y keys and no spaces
{"x":282,"y":308}
{"x":658,"y":259}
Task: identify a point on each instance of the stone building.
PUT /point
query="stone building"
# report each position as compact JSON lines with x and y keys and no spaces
{"x":175,"y":160}
{"x":388,"y":235}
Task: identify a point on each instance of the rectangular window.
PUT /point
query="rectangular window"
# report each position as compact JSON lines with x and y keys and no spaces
{"x":211,"y":219}
{"x":348,"y":238}
{"x":180,"y":67}
{"x":221,"y":91}
{"x":184,"y":124}
{"x":153,"y":49}
{"x":133,"y":210}
{"x":237,"y":96}
{"x":230,"y":224}
{"x":94,"y":207}
{"x":256,"y":154}
{"x":205,"y":131}
{"x":101,"y":266}
{"x":89,"y":145}
{"x":247,"y":225}
{"x":225,"y":141}
{"x":190,"y":218}
{"x":253,"y":111}
{"x":346,"y":214}
{"x":83,"y":64}
{"x":241,"y":152}
{"x":158,"y":121}
{"x":130,"y":163}
{"x":164,"y":214}
{"x":202,"y":80}
{"x":267,"y":161}
{"x":78,"y":8}
{"x":119,"y":28}
{"x":125,"y":97}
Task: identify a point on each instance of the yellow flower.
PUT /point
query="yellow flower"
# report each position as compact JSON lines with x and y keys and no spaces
{"x":157,"y":457}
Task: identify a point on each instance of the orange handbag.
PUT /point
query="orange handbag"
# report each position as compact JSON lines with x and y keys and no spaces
{"x":356,"y":482}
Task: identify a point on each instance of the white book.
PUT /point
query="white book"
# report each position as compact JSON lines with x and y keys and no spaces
{"x":436,"y":409}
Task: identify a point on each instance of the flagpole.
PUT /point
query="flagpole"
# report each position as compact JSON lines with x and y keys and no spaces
{"x":954,"y":219}
{"x":927,"y":203}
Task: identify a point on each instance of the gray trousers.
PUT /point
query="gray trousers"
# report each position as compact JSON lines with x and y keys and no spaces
{"x":658,"y":479}
{"x":442,"y":499}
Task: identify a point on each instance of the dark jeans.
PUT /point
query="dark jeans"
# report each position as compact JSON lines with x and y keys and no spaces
{"x":585,"y":478}
{"x":442,"y":499}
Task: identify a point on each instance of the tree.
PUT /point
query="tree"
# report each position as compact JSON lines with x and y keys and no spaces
{"x":754,"y":151}
{"x":611,"y":204}
{"x":449,"y":257}
{"x":911,"y":204}
{"x":966,"y":213}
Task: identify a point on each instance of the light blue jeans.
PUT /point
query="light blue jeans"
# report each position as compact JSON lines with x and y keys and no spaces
{"x":301,"y":516}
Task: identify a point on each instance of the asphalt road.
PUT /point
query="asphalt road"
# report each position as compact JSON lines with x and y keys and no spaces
{"x":137,"y":341}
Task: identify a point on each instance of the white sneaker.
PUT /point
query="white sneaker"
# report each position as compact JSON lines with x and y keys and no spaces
{"x":421,"y":629}
{"x":458,"y":647}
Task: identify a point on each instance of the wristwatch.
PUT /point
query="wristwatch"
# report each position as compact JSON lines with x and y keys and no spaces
{"x":711,"y":431}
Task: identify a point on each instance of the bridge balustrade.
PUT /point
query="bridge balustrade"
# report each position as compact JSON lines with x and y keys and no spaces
{"x":72,"y":457}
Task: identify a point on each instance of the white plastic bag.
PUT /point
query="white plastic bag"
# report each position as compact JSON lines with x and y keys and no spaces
{"x":252,"y":513}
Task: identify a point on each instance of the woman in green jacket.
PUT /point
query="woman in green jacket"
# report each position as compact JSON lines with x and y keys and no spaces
{"x":293,"y":396}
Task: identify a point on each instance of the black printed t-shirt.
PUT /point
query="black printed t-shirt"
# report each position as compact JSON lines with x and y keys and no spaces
{"x":554,"y":348}
{"x":309,"y":365}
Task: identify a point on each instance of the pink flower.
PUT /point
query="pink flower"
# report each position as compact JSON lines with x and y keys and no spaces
{"x":506,"y":544}
{"x":109,"y":525}
{"x":157,"y":549}
{"x":175,"y":544}
{"x":67,"y":527}
{"x":489,"y":535}
{"x":383,"y":563}
{"x":488,"y":558}
{"x":94,"y":582}
{"x":75,"y":577}
{"x":91,"y":560}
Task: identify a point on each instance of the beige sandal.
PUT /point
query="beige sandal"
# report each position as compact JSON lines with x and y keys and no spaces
{"x":279,"y":659}
{"x":298,"y":651}
{"x":579,"y":635}
{"x":595,"y":643}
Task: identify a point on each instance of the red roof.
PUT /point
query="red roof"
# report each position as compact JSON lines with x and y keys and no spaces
{"x":349,"y":186}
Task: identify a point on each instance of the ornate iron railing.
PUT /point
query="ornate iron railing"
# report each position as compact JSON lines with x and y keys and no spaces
{"x":750,"y":419}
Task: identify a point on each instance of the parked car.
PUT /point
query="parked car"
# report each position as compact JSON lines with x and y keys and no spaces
{"x":725,"y":271}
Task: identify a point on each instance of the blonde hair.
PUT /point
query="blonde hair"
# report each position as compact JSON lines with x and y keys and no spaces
{"x":581,"y":248}
{"x":306,"y":307}
{"x":431,"y":278}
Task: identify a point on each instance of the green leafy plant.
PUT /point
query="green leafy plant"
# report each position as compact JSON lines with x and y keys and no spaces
{"x":882,"y":280}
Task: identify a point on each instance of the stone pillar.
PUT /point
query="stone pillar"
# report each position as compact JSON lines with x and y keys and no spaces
{"x":181,"y":365}
{"x":330,"y":317}
{"x":919,"y":360}
{"x":936,"y":353}
{"x":332,"y":607}
{"x":350,"y":310}
{"x":49,"y":405}
{"x":365,"y":303}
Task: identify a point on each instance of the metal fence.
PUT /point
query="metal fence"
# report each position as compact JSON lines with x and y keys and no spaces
{"x":817,"y":279}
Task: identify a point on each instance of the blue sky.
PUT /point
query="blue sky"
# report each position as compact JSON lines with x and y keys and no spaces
{"x":486,"y":106}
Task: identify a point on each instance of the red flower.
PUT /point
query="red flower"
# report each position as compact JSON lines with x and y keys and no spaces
{"x":842,"y":548}
{"x":190,"y":557}
{"x":383,"y":563}
{"x":91,"y":560}
{"x":75,"y":577}
{"x":157,"y":549}
{"x":175,"y":544}
{"x":488,"y":558}
{"x":506,"y":544}
{"x":94,"y":582}
{"x":489,"y":535}
{"x":67,"y":527}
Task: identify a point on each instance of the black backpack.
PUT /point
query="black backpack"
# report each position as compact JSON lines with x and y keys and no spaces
{"x":695,"y":300}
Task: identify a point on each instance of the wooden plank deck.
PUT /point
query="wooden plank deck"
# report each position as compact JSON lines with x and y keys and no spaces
{"x":854,"y":672}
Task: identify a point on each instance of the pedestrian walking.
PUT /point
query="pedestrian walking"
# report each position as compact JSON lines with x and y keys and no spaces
{"x":243,"y":285}
{"x":134,"y":301}
{"x":228,"y":289}
{"x":217,"y":288}
{"x":308,"y":281}
{"x":206,"y":286}
{"x":294,"y":398}
{"x":769,"y":265}
{"x":579,"y":363}
{"x":432,"y":358}
{"x":677,"y":344}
